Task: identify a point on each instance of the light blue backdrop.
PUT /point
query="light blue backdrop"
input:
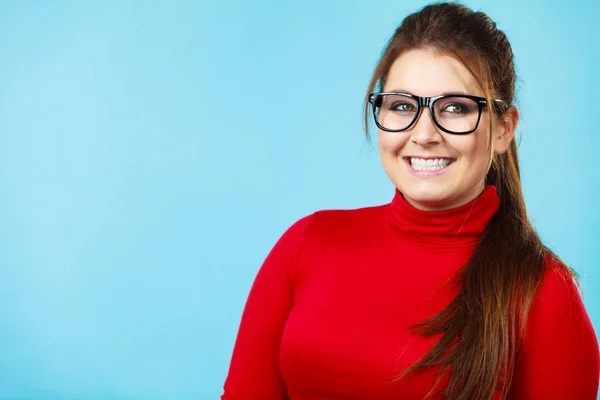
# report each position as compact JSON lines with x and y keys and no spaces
{"x":153,"y":152}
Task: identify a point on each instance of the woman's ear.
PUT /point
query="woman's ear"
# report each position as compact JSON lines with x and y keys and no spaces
{"x":505,"y":131}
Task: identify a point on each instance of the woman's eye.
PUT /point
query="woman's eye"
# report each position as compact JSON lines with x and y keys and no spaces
{"x":456,"y":108}
{"x":403,"y":107}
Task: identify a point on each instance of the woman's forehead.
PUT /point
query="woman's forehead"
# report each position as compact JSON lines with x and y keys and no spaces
{"x":429,"y":73}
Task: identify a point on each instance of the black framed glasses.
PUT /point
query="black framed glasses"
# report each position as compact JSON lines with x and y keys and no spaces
{"x":458,"y":114}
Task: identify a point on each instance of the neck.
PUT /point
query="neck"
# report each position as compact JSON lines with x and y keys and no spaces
{"x":457,"y":226}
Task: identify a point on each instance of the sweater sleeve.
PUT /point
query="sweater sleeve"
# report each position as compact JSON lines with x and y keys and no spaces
{"x":559,"y":358}
{"x":254,"y":369}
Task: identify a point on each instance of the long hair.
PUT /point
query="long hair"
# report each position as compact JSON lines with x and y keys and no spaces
{"x":481,"y":328}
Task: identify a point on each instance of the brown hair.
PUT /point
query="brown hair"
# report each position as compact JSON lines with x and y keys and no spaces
{"x":482,"y":327}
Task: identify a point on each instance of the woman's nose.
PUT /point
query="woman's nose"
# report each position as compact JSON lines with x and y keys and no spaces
{"x":424,"y":132}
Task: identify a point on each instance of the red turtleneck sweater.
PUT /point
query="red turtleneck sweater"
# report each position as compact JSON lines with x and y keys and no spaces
{"x":329,"y":312}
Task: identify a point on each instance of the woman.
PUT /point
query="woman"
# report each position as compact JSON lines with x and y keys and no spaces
{"x":445,"y":292}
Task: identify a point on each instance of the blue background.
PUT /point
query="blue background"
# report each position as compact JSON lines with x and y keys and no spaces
{"x":153,"y":152}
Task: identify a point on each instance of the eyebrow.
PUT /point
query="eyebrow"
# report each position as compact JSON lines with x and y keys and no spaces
{"x":443,"y":93}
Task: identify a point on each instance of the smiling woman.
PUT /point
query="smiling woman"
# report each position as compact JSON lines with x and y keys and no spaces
{"x":462,"y":147}
{"x":445,"y":292}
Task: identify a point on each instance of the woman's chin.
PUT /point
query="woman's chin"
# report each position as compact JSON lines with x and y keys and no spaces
{"x":429,"y":198}
{"x":429,"y":203}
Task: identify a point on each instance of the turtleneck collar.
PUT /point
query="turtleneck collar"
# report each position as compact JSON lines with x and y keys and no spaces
{"x":456,"y":227}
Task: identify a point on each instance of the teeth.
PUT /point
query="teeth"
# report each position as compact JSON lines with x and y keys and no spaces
{"x":420,"y":164}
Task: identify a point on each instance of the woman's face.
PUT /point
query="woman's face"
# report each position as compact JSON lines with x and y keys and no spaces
{"x":426,"y":73}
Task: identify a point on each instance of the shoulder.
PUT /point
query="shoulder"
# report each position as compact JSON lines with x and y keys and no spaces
{"x":558,"y":306}
{"x":331,"y":221}
{"x":326,"y":225}
{"x":558,"y":288}
{"x":559,"y":358}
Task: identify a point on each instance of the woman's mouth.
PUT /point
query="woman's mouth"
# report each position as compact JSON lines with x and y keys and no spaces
{"x":428,"y":166}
